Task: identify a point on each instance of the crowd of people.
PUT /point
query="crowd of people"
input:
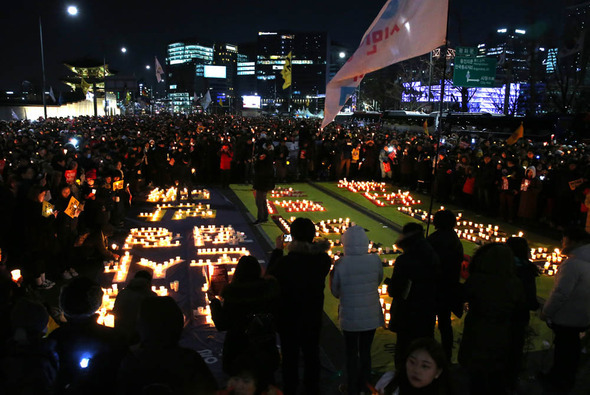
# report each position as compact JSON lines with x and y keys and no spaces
{"x":65,"y":186}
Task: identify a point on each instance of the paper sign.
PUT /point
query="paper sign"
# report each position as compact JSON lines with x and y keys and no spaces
{"x":576,"y":183}
{"x":73,"y":209}
{"x":47,"y":209}
{"x":118,"y":185}
{"x":70,"y":176}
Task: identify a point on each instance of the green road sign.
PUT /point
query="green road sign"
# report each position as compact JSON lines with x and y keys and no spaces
{"x":474,"y":72}
{"x":466,"y":51}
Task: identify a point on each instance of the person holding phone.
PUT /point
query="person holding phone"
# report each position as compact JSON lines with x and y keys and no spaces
{"x":301,"y":276}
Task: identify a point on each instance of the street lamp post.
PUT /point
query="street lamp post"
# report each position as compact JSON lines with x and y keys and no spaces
{"x":42,"y":68}
{"x":73,"y":11}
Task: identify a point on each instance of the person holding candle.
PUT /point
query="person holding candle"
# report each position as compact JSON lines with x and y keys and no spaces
{"x":567,"y":310}
{"x":355,"y":280}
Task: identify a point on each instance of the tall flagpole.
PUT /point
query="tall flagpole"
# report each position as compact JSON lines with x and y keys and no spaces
{"x":440,"y":122}
{"x":42,"y":68}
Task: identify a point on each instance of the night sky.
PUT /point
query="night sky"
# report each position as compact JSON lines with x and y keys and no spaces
{"x":102,"y":27}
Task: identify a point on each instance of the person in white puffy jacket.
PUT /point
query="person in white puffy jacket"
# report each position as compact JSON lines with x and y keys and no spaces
{"x":355,"y":280}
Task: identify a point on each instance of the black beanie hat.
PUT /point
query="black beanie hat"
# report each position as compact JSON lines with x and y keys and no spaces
{"x":303,"y":229}
{"x":80,"y":298}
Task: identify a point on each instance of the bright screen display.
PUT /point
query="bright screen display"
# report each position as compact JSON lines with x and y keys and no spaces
{"x":251,"y":101}
{"x":214,"y":71}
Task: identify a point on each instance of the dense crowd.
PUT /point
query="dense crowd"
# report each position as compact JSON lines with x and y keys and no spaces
{"x":103,"y":163}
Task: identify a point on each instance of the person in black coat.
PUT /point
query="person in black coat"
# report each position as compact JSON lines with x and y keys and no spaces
{"x":160,"y":365}
{"x":249,"y":300}
{"x":413,"y":283}
{"x":263,"y":183}
{"x":449,"y":250}
{"x":301,"y":275}
{"x":89,"y":353}
{"x":40,"y":243}
{"x":527,"y":272}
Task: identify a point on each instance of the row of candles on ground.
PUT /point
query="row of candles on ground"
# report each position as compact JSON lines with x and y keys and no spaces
{"x":200,"y":210}
{"x":217,"y":235}
{"x":372,"y":249}
{"x":393,"y":198}
{"x":151,"y":238}
{"x":328,"y":226}
{"x":154,"y":216}
{"x":362,"y":186}
{"x":286,"y":192}
{"x":299,"y":205}
{"x":120,"y":268}
{"x":159,"y":269}
{"x":270,"y":207}
{"x":105,"y":316}
{"x":170,"y":195}
{"x":550,"y":261}
{"x":223,"y":250}
{"x":479,"y":233}
{"x":386,"y":306}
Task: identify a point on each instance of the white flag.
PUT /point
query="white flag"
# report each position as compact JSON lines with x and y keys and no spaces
{"x":14,"y":116}
{"x":51,"y":94}
{"x":159,"y":70}
{"x":205,"y":100}
{"x":402,"y":30}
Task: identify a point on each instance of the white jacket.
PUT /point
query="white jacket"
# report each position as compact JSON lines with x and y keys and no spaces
{"x":357,"y":276}
{"x":569,"y":301}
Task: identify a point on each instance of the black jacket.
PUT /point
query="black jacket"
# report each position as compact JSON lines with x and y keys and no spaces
{"x":449,"y":250}
{"x":240,"y":301}
{"x":420,"y":265}
{"x":301,"y":275}
{"x":263,"y":175}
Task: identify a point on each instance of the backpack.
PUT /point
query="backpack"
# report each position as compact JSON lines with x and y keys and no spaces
{"x":261,"y":329}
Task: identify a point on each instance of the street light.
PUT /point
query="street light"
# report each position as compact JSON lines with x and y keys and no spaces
{"x":147,"y":67}
{"x":72,"y":10}
{"x":123,"y":49}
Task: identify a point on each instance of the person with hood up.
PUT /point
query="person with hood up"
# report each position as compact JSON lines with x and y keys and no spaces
{"x":567,"y":310}
{"x":301,"y":275}
{"x":355,"y":281}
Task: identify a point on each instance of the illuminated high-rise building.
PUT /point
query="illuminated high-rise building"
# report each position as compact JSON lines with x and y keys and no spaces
{"x":310,"y":68}
{"x":185,"y":68}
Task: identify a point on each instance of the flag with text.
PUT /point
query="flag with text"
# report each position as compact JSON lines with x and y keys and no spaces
{"x":403,"y":29}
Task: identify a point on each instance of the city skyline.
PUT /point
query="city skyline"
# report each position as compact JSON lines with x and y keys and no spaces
{"x":145,"y":28}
